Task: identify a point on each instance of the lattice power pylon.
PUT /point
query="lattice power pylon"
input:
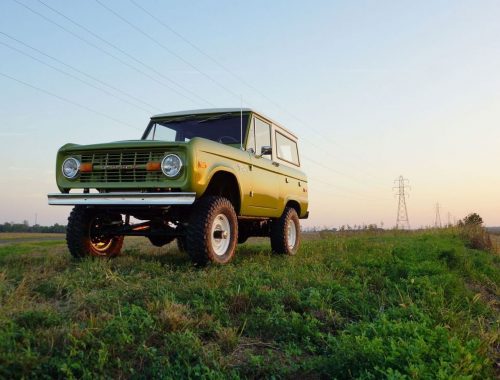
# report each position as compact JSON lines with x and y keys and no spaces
{"x":402,"y":221}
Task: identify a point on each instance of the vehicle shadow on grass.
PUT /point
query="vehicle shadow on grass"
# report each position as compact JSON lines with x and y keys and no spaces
{"x":170,"y":255}
{"x":165,"y":256}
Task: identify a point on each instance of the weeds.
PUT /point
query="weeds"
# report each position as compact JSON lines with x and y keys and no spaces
{"x":393,"y":305}
{"x":476,"y":237}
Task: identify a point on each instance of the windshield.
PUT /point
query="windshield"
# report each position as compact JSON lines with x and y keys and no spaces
{"x":223,"y":128}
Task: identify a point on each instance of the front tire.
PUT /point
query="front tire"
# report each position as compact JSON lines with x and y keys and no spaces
{"x":212,"y":233}
{"x":86,"y":235}
{"x":285,"y":233}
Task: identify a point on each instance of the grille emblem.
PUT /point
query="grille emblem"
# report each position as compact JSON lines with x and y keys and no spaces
{"x":120,"y":167}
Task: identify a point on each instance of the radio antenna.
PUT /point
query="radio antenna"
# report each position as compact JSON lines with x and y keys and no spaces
{"x":241,"y":122}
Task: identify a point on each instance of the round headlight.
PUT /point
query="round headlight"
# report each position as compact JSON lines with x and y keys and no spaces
{"x":171,"y":165}
{"x":70,"y":167}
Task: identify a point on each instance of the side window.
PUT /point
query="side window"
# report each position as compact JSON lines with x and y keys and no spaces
{"x":287,"y":149}
{"x":262,"y":135}
{"x":250,"y":147}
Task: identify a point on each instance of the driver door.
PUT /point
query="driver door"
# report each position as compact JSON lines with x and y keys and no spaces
{"x":265,"y":190}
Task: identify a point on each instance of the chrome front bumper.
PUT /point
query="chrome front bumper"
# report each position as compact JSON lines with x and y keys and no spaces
{"x":121,"y":199}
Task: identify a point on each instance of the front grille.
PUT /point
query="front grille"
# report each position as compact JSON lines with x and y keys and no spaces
{"x":124,"y":166}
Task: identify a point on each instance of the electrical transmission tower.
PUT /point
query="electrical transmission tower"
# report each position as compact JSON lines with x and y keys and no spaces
{"x":402,"y":220}
{"x":437,"y":221}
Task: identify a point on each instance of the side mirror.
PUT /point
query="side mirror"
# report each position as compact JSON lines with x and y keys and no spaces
{"x":266,"y":150}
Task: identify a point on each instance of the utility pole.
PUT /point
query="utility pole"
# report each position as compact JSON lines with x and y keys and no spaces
{"x":449,"y":219}
{"x":437,"y":221}
{"x":402,"y":220}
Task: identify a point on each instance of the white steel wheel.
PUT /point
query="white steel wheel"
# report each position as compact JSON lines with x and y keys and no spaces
{"x":285,"y":233}
{"x":291,"y":234}
{"x":220,"y":234}
{"x":212,"y":232}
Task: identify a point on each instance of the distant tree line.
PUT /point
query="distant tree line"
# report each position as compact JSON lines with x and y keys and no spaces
{"x":25,"y":227}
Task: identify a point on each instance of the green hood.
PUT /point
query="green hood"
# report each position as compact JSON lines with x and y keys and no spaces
{"x":127,"y":144}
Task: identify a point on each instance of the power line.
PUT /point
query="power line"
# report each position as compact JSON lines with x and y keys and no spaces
{"x":402,"y":220}
{"x":342,"y":188}
{"x":108,"y":116}
{"x":226,"y":69}
{"x":170,"y":51}
{"x":66,"y":100}
{"x":122,"y":51}
{"x":155,"y":41}
{"x":333,"y":170}
{"x":104,"y":51}
{"x":72,"y":76}
{"x":140,"y":62}
{"x":349,"y":195}
{"x":78,"y":70}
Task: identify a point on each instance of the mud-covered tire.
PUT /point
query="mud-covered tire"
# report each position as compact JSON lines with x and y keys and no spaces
{"x":82,"y":235}
{"x":160,"y":241}
{"x":285,"y":233}
{"x":212,"y":232}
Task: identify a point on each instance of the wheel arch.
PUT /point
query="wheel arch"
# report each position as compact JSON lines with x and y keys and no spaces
{"x":224,"y":183}
{"x":293,"y":204}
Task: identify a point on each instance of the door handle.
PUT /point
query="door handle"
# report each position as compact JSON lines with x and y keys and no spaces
{"x":276,"y":164}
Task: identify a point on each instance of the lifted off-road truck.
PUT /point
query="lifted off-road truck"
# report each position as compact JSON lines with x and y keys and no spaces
{"x":208,"y":178}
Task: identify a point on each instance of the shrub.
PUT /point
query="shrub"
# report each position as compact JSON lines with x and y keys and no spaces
{"x":474,"y":234}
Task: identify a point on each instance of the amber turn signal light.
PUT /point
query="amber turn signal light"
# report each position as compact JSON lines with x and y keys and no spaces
{"x":153,"y":166}
{"x":85,"y":167}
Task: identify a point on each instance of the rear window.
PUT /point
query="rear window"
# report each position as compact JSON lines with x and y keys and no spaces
{"x":287,"y":149}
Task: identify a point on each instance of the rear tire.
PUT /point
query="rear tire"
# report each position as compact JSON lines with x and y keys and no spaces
{"x":242,"y":238}
{"x":85,"y":235}
{"x":285,"y":233}
{"x":212,"y":233}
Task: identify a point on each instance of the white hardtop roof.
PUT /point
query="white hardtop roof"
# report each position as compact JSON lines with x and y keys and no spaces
{"x":202,"y":112}
{"x":218,"y":110}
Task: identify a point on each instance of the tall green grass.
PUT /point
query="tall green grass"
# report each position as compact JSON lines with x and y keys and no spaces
{"x":392,"y":305}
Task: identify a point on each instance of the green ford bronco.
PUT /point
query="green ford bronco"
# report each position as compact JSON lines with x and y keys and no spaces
{"x":208,"y":178}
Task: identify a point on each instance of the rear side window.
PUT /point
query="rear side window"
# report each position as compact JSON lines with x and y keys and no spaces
{"x":287,"y":149}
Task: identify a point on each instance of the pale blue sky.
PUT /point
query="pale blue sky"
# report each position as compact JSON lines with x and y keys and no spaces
{"x":373,"y":89}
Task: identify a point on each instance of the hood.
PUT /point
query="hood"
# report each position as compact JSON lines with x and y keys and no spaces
{"x":127,"y":144}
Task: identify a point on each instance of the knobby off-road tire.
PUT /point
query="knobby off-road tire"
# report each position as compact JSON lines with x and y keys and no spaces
{"x":212,"y":233}
{"x":83,"y":235}
{"x":160,"y":241}
{"x":285,"y":233}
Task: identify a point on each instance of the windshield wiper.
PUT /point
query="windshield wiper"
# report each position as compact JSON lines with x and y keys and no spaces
{"x":216,"y":117}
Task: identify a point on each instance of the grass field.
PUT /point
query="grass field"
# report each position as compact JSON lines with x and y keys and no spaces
{"x":389,"y":305}
{"x":28,"y":235}
{"x":14,"y":238}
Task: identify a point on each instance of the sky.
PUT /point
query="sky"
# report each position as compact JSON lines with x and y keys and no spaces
{"x":373,"y":90}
